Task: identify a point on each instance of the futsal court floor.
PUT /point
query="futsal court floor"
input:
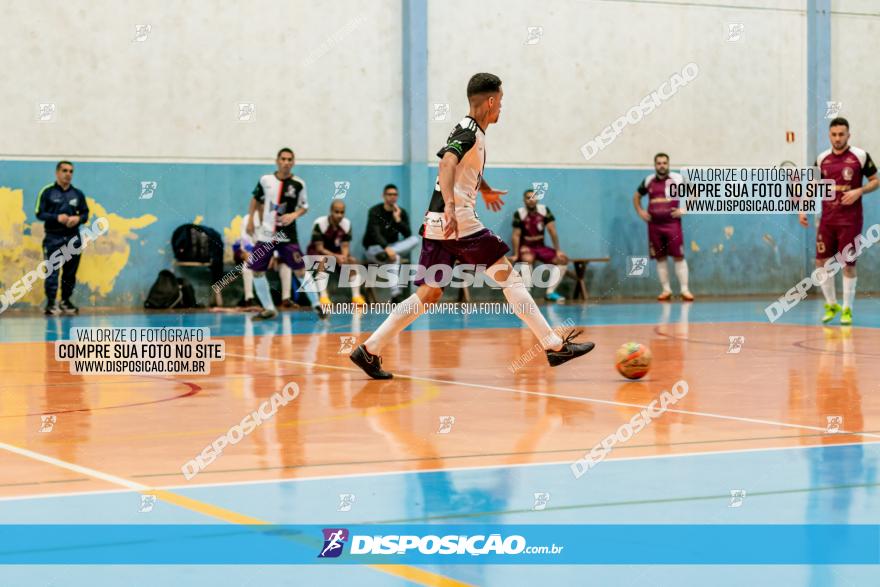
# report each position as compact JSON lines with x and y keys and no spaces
{"x":755,"y":420}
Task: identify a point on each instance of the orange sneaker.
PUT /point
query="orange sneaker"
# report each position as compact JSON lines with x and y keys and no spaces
{"x":687,"y":296}
{"x":665,"y":296}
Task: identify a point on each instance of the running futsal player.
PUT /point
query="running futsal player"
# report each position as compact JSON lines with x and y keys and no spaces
{"x":529,"y":224}
{"x":841,"y":219}
{"x":331,"y":237}
{"x":279,"y":199}
{"x":453,"y":231}
{"x":665,"y":236}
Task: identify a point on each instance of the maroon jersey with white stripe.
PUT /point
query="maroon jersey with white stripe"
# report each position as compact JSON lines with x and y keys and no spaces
{"x":660,"y":205}
{"x":848,"y":170}
{"x":532,"y":223}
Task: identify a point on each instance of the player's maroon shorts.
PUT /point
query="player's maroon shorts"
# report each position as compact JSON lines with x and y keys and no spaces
{"x":832,"y":239}
{"x":542,"y":253}
{"x":481,"y":248}
{"x":312,"y":249}
{"x":290,"y":255}
{"x":665,"y":238}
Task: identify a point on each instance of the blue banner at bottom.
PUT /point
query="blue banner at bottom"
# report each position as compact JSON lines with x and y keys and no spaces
{"x":441,"y":544}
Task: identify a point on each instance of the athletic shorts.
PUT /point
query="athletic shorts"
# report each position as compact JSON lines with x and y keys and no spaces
{"x":289,"y":253}
{"x":481,"y":248}
{"x":832,"y":239}
{"x":665,"y":239}
{"x":542,"y":253}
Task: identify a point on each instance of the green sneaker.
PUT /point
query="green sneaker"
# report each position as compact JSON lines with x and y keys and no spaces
{"x":831,"y":311}
{"x":846,"y":317}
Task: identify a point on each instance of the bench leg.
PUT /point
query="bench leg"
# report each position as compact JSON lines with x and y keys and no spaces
{"x":580,"y":289}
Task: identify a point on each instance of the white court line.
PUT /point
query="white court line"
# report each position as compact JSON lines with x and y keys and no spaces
{"x":130,"y":485}
{"x":419,"y":471}
{"x":574,"y":398}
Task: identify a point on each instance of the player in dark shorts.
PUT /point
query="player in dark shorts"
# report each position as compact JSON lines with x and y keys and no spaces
{"x":452,"y":232}
{"x":529,"y":224}
{"x":279,"y":199}
{"x":331,"y":237}
{"x":663,"y":217}
{"x":841,"y":220}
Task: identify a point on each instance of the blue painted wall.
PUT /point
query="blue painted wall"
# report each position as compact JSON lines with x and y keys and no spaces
{"x":593,"y":209}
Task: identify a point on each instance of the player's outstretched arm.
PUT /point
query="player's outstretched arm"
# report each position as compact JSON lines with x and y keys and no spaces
{"x":491,"y":197}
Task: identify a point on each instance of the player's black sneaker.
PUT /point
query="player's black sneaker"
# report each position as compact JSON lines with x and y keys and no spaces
{"x":371,"y":364}
{"x":382,"y":257}
{"x":569,"y":350}
{"x":68,"y":308}
{"x":319,"y":310}
{"x":265,"y":315}
{"x":289,"y":304}
{"x":52,"y":309}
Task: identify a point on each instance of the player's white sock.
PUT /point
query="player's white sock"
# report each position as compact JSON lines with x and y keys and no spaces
{"x":524,"y":306}
{"x":663,"y":276}
{"x":261,"y":286}
{"x":849,"y":291}
{"x":247,"y":277}
{"x":286,"y":276}
{"x":555,"y":278}
{"x":681,"y":271}
{"x":355,"y":291}
{"x":322,"y":283}
{"x":828,"y":290}
{"x":403,"y":315}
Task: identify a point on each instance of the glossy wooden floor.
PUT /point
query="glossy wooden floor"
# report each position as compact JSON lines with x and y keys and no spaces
{"x":778,"y":391}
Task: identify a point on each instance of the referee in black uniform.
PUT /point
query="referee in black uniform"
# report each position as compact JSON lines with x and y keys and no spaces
{"x":62,"y":208}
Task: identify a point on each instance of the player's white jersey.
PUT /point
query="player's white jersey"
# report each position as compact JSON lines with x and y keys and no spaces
{"x":467,"y":141}
{"x":279,"y":197}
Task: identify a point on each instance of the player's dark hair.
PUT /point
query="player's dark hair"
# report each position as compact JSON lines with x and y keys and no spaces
{"x":525,"y":193}
{"x":839,"y":121}
{"x":661,"y":155}
{"x":60,"y":163}
{"x":390,"y":186}
{"x":285,"y":150}
{"x":483,"y":83}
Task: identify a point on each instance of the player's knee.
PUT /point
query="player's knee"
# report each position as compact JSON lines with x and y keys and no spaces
{"x":430,"y":295}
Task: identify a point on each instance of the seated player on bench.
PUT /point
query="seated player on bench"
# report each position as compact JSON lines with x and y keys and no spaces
{"x":331,"y":237}
{"x":529,"y":224}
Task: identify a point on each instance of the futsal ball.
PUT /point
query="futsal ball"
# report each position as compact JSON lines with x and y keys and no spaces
{"x":633,"y":360}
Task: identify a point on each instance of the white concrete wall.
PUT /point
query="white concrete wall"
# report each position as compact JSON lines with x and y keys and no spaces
{"x":597,"y":59}
{"x":325,"y":78}
{"x":855,"y":48}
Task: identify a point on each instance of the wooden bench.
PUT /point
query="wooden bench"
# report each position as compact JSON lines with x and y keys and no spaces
{"x":580,"y":272}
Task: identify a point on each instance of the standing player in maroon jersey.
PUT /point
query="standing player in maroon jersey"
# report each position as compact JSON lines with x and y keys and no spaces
{"x":529,"y":224}
{"x":452,"y":231}
{"x":331,"y":237}
{"x":841,"y":219}
{"x":665,"y":236}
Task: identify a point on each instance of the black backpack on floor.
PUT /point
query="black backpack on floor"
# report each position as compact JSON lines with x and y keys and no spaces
{"x":170,"y":291}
